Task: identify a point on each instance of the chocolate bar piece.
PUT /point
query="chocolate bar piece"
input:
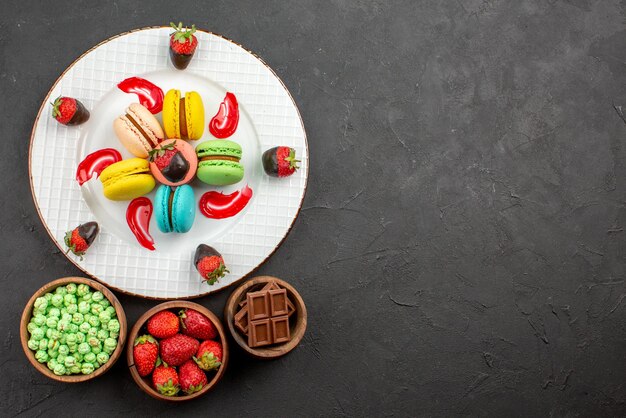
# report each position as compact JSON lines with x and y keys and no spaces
{"x":260,"y":333}
{"x":290,"y":308}
{"x":243,"y":303}
{"x":241,"y":319}
{"x":271,"y":286}
{"x":280,"y":329}
{"x":258,"y":305}
{"x":278,"y":302}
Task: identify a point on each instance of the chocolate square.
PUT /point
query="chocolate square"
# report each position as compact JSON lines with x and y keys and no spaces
{"x":241,"y":319}
{"x":258,"y":305}
{"x":260,"y":333}
{"x":280,"y":329}
{"x":278,"y":302}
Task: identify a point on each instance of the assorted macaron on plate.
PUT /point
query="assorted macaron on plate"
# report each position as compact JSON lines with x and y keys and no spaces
{"x":193,"y":164}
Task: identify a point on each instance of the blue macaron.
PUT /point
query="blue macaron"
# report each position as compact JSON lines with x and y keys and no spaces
{"x":175,"y":208}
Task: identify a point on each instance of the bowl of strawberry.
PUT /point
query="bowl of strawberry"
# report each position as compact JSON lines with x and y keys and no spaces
{"x":177,"y":351}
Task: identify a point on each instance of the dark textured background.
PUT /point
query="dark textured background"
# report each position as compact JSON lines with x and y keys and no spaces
{"x":461,"y":247}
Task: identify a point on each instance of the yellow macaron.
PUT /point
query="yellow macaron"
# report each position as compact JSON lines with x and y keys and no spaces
{"x":127,"y":179}
{"x":183,"y":117}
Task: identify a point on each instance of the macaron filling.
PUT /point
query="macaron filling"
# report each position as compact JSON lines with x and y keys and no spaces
{"x":170,"y":205}
{"x":182,"y":118}
{"x":141,"y":131}
{"x":220,"y":157}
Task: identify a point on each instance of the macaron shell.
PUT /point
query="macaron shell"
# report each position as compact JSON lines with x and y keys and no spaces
{"x":220,"y":172}
{"x":147,"y":121}
{"x":127,"y":179}
{"x":183,"y":209}
{"x":171,"y":117}
{"x":130,"y":137}
{"x":194,"y":115}
{"x":161,"y":214}
{"x":190,"y":155}
{"x":223,"y":147}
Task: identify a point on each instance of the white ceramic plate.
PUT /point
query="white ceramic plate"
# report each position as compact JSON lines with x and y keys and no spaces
{"x":268,"y":117}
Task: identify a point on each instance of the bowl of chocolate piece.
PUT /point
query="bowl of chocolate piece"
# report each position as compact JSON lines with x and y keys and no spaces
{"x":266,"y":317}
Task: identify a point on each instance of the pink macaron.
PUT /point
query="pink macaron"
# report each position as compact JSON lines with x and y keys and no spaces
{"x":138,"y":130}
{"x":173,"y":162}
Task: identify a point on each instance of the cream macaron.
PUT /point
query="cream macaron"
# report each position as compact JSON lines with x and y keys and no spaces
{"x":138,"y":130}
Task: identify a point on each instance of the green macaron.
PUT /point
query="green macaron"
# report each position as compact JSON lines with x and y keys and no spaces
{"x":218,"y":162}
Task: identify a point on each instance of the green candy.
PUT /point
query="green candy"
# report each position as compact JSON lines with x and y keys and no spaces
{"x":57,"y":300}
{"x":39,"y":320}
{"x":66,"y":317}
{"x":43,"y":344}
{"x":70,"y":361}
{"x":96,"y":308}
{"x":72,"y":309}
{"x":53,"y":345}
{"x":84,"y":348}
{"x":104,"y":317}
{"x":59,"y":369}
{"x":109,"y":345}
{"x":33,"y":344}
{"x":94,"y":342}
{"x":105,"y":303}
{"x":75,"y":369}
{"x":86,"y":297}
{"x":62,"y":338}
{"x":69,"y":300}
{"x":53,"y":334}
{"x":102,"y":358}
{"x":94,"y":321}
{"x":48,"y":297}
{"x":93,"y":332}
{"x":38,"y":334}
{"x":114,"y":334}
{"x":64,"y":349}
{"x":53,"y":353}
{"x":40,"y":304}
{"x":89,"y":357}
{"x":71,"y":288}
{"x":111,"y":311}
{"x":42,"y":356}
{"x":77,"y":318}
{"x":87,"y":368}
{"x":78,"y":357}
{"x":71,"y":339}
{"x":61,"y":358}
{"x":63,"y":325}
{"x":96,"y":350}
{"x":31,"y":327}
{"x":52,"y":322}
{"x":81,"y":337}
{"x":54,"y":312}
{"x":97,"y":296}
{"x":103,"y":334}
{"x":83,"y":307}
{"x":51,"y":363}
{"x":61,"y":291}
{"x":73,"y":329}
{"x":84,"y":327}
{"x":114,"y":325}
{"x":82,"y":289}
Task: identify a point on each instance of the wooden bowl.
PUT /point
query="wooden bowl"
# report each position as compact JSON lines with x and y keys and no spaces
{"x":297,"y":325}
{"x":27,"y":314}
{"x":145,"y":382}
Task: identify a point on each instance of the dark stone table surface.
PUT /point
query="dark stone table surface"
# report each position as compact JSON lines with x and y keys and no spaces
{"x":462,"y":244}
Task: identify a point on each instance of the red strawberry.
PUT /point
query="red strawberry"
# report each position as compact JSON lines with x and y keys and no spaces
{"x":163,"y":324}
{"x":145,"y":354}
{"x":191,"y":377}
{"x":280,"y":161}
{"x":209,"y":355}
{"x":69,"y":111}
{"x":165,"y":380}
{"x":209,"y":263}
{"x":170,"y":161}
{"x":178,"y":349}
{"x":183,"y":44}
{"x":80,"y":238}
{"x":197,"y":325}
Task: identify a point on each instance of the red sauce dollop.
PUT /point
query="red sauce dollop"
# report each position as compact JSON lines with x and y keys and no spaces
{"x":95,"y":162}
{"x":217,"y":205}
{"x":149,"y":94}
{"x":225,"y":122}
{"x":138,"y":217}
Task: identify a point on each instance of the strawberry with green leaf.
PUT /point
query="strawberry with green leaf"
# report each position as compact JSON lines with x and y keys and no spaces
{"x":280,"y":161}
{"x":69,"y":111}
{"x":209,"y":263}
{"x":183,"y":44}
{"x":80,"y":238}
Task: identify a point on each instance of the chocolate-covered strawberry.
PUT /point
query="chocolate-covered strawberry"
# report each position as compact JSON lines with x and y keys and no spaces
{"x":209,"y":263}
{"x":80,"y":238}
{"x":69,"y":111}
{"x":170,"y":162}
{"x":183,"y":44}
{"x":280,"y":161}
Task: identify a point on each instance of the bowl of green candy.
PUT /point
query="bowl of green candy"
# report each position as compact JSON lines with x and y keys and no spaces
{"x":73,"y":329}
